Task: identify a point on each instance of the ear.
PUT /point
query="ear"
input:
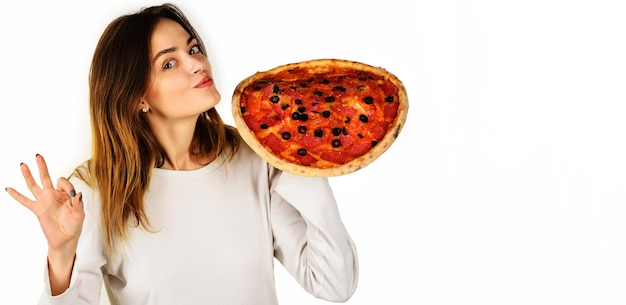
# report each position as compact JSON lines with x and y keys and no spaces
{"x":143,"y":106}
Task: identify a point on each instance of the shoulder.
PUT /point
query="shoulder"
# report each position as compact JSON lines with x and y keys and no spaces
{"x":246,"y":154}
{"x":246,"y":158}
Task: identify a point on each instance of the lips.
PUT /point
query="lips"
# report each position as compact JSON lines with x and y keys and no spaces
{"x":205,"y":82}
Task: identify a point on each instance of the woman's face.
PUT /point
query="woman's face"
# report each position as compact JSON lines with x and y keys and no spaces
{"x":181,"y":82}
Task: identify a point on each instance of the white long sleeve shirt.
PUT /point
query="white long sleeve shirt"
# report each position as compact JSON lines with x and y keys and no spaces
{"x":214,"y":234}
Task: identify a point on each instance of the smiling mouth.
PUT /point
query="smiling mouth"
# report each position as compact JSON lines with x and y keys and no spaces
{"x":205,"y":82}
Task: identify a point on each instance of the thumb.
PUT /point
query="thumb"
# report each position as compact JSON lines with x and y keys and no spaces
{"x":76,"y":205}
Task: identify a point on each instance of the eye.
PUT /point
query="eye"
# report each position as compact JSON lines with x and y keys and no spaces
{"x":169,"y":64}
{"x":194,"y":50}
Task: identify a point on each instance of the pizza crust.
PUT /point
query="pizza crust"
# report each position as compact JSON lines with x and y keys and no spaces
{"x":319,"y":66}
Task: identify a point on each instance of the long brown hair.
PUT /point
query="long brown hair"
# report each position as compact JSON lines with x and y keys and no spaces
{"x":125,"y":150}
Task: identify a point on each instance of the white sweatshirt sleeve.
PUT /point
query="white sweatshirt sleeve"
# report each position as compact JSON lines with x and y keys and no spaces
{"x":310,"y":239}
{"x":86,"y":278}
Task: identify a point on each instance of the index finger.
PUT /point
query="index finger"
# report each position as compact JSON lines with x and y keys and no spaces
{"x":66,"y":186}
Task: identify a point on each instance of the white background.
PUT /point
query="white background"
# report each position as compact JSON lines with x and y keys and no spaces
{"x":507,"y":184}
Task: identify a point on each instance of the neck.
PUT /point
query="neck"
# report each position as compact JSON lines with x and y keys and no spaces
{"x":175,"y":139}
{"x":183,"y":162}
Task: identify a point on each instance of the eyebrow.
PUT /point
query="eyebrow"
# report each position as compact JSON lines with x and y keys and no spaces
{"x":169,"y":50}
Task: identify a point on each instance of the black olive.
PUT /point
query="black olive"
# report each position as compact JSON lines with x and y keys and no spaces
{"x":374,"y":143}
{"x":298,"y":102}
{"x":336,"y":131}
{"x":264,"y":126}
{"x":301,"y":152}
{"x":310,"y":80}
{"x":243,"y":109}
{"x":368,"y":100}
{"x":330,"y":99}
{"x":276,"y":89}
{"x":302,"y":129}
{"x":363,"y":118}
{"x":303,"y":85}
{"x":389,"y":99}
{"x":304,"y":117}
{"x":344,"y":131}
{"x":295,"y":116}
{"x":326,"y":113}
{"x":318,"y":93}
{"x":336,"y":143}
{"x":339,"y":88}
{"x":301,"y":109}
{"x":360,"y":136}
{"x":318,"y":133}
{"x":286,"y":135}
{"x":325,"y":81}
{"x":274,"y":99}
{"x":257,"y":88}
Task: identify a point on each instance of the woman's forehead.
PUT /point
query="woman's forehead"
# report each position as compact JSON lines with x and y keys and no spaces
{"x":168,"y":34}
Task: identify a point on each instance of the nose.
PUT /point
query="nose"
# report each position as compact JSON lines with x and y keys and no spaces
{"x":195,"y":64}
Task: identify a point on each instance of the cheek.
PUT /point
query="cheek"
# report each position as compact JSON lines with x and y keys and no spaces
{"x":209,"y":67}
{"x":165,"y":89}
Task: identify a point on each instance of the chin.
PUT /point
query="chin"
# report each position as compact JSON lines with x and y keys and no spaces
{"x":213,"y":99}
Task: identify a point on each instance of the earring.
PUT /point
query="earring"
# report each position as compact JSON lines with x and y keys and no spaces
{"x":144,"y":109}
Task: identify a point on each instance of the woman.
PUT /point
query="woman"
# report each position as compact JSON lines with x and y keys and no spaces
{"x":172,"y":207}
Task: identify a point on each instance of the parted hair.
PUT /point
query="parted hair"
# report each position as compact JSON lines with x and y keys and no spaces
{"x":124,"y":148}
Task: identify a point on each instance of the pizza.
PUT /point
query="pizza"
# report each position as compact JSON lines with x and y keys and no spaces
{"x":321,"y":117}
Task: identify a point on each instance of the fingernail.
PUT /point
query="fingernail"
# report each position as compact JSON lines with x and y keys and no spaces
{"x":72,"y":193}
